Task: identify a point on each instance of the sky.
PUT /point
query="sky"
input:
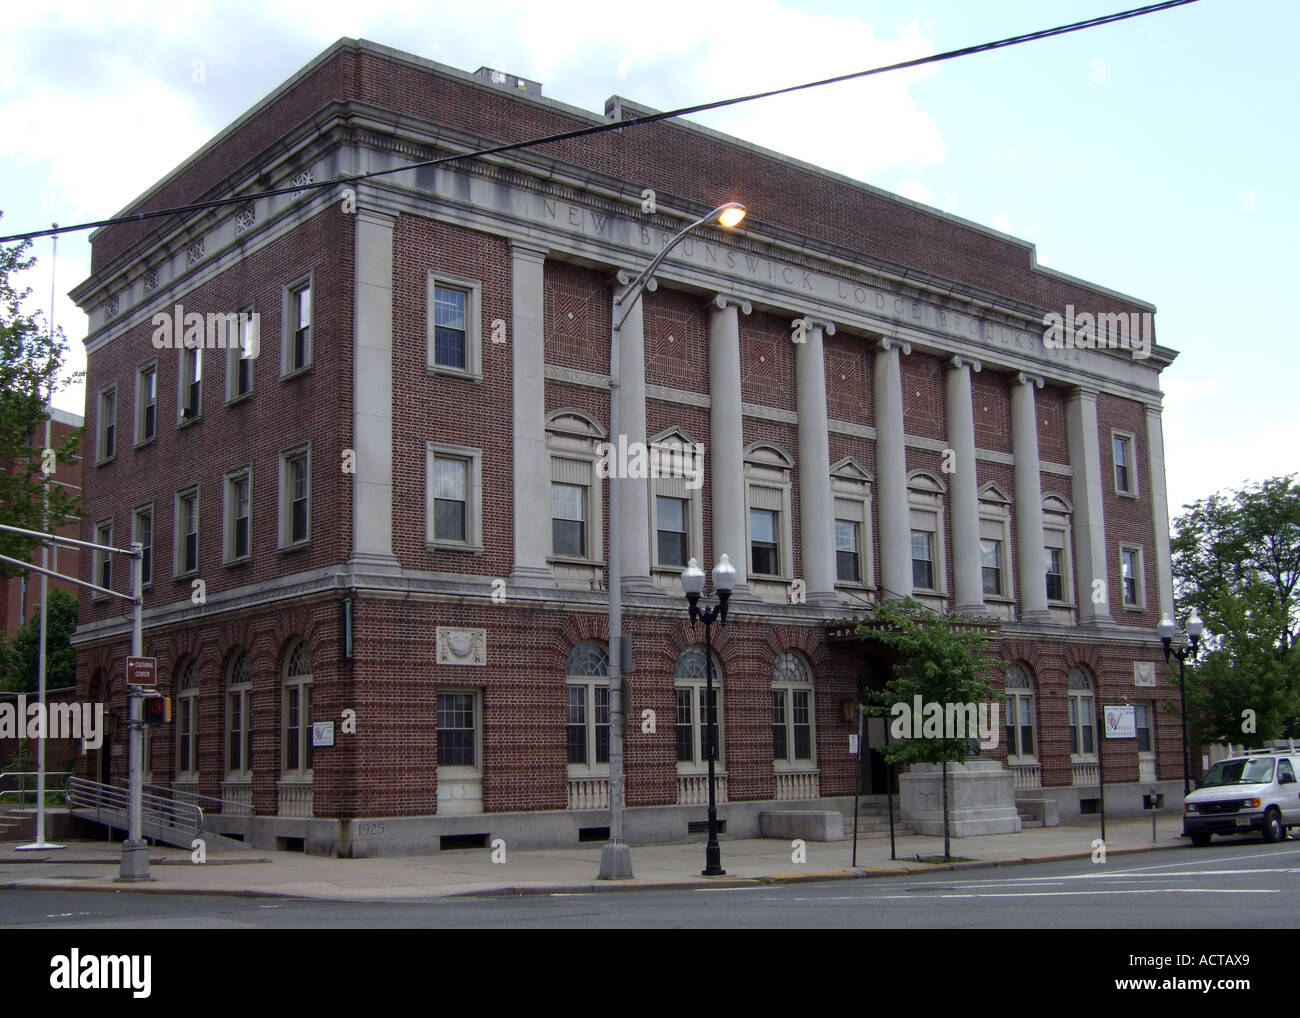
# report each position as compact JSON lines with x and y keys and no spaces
{"x":1156,"y":157}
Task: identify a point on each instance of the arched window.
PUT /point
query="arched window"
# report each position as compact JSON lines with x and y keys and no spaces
{"x":1020,"y":715}
{"x":586,"y":690}
{"x":1083,"y":712}
{"x":792,"y":711}
{"x":297,"y":712}
{"x":239,"y":716}
{"x":690,"y":688}
{"x":187,"y":723}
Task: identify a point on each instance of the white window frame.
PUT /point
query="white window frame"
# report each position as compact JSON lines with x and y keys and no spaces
{"x":679,"y":488}
{"x":768,"y":469}
{"x":1130,"y":442}
{"x":102,"y":559}
{"x":461,"y":771}
{"x":925,"y":500}
{"x":287,"y":457}
{"x":104,"y":421}
{"x":697,"y":686}
{"x":229,"y":508}
{"x":235,"y":355}
{"x":136,"y":535}
{"x":573,"y":437}
{"x":851,"y":503}
{"x":185,"y":377}
{"x":473,"y":460}
{"x":1139,"y":585}
{"x":1025,"y":699}
{"x":303,"y":684}
{"x":473,"y":290}
{"x":589,"y":683}
{"x":788,"y":688}
{"x":148,"y":368}
{"x":239,"y":699}
{"x":1075,"y":700}
{"x":995,"y":525}
{"x":178,"y":543}
{"x":1147,"y":707}
{"x":289,"y":326}
{"x":187,"y":721}
{"x":1057,"y":523}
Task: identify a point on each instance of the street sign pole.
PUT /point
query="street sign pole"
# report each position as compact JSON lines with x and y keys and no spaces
{"x":135,"y":852}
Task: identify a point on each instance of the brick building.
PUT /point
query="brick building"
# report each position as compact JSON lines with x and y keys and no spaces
{"x":393,"y":517}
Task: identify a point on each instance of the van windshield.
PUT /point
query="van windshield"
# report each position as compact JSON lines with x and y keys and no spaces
{"x":1255,"y":771}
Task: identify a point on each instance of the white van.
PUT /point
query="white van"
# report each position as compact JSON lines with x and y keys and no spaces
{"x":1255,"y":792}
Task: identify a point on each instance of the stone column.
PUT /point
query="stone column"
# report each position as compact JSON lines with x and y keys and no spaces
{"x":817,"y":510}
{"x":1160,"y":509}
{"x":1089,"y":515}
{"x":1029,"y":499}
{"x":634,"y":503}
{"x":532,"y":467}
{"x":964,"y":488}
{"x":727,"y":438}
{"x":891,"y":473}
{"x":372,"y":394}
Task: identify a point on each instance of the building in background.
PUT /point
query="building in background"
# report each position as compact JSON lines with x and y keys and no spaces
{"x":392,"y":521}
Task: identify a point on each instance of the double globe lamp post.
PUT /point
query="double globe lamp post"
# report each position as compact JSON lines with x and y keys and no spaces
{"x":724,"y":579}
{"x":1166,"y":630}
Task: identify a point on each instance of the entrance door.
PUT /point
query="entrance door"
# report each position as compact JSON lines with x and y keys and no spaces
{"x":872,"y":675}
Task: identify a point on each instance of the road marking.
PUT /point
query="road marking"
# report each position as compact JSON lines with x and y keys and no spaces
{"x":1074,"y":894}
{"x":720,"y":890}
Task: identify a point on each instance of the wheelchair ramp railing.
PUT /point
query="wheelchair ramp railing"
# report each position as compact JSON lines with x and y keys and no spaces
{"x":162,"y":819}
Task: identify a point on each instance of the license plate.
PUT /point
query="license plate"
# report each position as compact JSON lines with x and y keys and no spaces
{"x":1243,"y":821}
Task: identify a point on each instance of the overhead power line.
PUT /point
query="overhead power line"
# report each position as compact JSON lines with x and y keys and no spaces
{"x":618,"y":125}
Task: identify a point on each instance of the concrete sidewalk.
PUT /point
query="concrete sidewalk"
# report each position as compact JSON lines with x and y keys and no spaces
{"x":93,"y":865}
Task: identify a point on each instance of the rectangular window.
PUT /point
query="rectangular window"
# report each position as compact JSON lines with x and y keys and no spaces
{"x":779,"y":745}
{"x":670,"y":516}
{"x":685,"y":726}
{"x":146,"y":403}
{"x":450,"y":499}
{"x":187,"y":532}
{"x":107,"y":424}
{"x":238,"y":516}
{"x":764,"y":551}
{"x":237,"y":753}
{"x":602,"y":723}
{"x":292,"y":727}
{"x":1124,"y":477}
{"x":1142,"y":720}
{"x":191,"y":401}
{"x":575,"y":726}
{"x":450,"y":328}
{"x":802,"y":724}
{"x":142,"y":532}
{"x":922,"y":560}
{"x":103,"y":559}
{"x":456,"y":730}
{"x":185,"y":725}
{"x":1055,"y":574}
{"x":298,"y":352}
{"x":568,"y":520}
{"x":1130,"y":569}
{"x":241,"y":348}
{"x":295,"y":498}
{"x":991,"y":566}
{"x":847,"y":564}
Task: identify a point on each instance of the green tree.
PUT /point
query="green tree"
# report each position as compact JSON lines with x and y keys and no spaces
{"x":22,"y":656}
{"x":940,"y":658}
{"x":32,"y":368}
{"x":1236,"y":558}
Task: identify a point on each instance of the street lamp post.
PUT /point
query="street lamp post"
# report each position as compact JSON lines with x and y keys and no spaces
{"x":616,"y":857}
{"x":724,"y":579}
{"x":1166,"y":631}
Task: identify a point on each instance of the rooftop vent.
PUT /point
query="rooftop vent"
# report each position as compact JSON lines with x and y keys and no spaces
{"x":509,"y":82}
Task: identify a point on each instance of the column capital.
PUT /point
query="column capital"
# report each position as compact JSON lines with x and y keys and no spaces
{"x":958,"y":361}
{"x":624,"y":277}
{"x":1025,"y":378}
{"x":811,"y":322}
{"x":722,"y":301}
{"x":887,"y":343}
{"x":375,"y":216}
{"x":530,"y":251}
{"x":1089,"y":392}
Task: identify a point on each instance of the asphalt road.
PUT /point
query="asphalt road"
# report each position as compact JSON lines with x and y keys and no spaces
{"x":1243,"y":886}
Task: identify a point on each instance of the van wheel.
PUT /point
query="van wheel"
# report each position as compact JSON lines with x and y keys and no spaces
{"x":1200,"y":840}
{"x":1273,"y":829}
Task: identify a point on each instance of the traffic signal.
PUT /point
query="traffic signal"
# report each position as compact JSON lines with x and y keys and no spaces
{"x":157,"y":709}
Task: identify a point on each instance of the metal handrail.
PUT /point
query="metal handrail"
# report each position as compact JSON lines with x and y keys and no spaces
{"x":196,"y":795}
{"x":182,"y":818}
